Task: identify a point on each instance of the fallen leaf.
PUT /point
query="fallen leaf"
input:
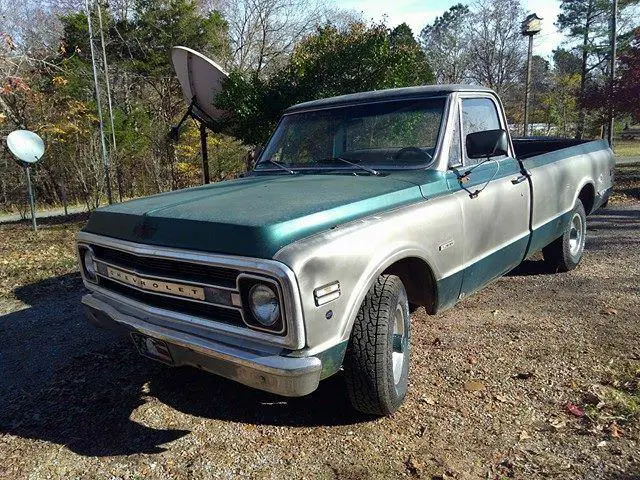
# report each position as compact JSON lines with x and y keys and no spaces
{"x":473,"y":386}
{"x":609,"y":311}
{"x":414,"y":466}
{"x":614,"y":430}
{"x":575,"y":410}
{"x":524,"y":435}
{"x":557,"y":423}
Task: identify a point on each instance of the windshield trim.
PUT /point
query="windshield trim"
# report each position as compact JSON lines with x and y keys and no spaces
{"x":424,"y":166}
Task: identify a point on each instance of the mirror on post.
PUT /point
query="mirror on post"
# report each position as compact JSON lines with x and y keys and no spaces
{"x":487,"y":144}
{"x":28,"y":148}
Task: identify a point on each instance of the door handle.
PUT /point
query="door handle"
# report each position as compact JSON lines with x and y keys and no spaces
{"x":519,"y":179}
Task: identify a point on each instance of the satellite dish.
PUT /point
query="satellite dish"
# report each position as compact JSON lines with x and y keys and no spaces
{"x":200,"y":78}
{"x":25,"y":145}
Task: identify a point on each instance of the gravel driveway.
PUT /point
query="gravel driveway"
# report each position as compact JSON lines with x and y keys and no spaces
{"x":505,"y":385}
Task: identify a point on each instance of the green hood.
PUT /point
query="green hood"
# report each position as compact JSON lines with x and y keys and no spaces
{"x":255,"y":216}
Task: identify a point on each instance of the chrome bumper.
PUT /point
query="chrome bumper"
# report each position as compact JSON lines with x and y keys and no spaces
{"x":287,"y":376}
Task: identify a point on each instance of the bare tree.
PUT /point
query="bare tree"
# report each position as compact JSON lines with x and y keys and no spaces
{"x":263,"y":32}
{"x":497,"y":48}
{"x":446,"y":43}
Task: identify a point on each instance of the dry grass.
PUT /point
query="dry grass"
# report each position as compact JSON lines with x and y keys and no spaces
{"x":627,"y":184}
{"x":27,"y":257}
{"x":627,"y":148}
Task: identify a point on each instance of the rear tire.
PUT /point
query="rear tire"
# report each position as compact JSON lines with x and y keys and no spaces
{"x":377,"y":358}
{"x":565,"y":253}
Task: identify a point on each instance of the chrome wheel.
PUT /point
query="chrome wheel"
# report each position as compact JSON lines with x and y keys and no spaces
{"x":576,"y":235}
{"x":400,"y":339}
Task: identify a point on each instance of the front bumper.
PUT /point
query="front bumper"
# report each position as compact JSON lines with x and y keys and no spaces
{"x":287,"y":376}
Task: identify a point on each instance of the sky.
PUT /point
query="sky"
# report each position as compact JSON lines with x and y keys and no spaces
{"x":418,"y":13}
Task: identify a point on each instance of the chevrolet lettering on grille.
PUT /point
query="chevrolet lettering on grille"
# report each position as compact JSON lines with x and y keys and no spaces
{"x":154,"y":285}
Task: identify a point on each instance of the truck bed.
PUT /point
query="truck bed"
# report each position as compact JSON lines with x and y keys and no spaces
{"x":532,"y":146}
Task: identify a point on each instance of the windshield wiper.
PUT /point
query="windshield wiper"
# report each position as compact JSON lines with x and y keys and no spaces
{"x":281,"y":166}
{"x":366,"y":169}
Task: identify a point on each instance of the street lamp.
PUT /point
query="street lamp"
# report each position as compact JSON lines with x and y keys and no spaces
{"x":530,"y":26}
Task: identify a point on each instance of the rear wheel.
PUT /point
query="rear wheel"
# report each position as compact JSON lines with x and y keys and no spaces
{"x":377,"y":359}
{"x":565,"y":253}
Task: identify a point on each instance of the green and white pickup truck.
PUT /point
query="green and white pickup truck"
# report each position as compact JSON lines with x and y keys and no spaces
{"x":360,"y":209}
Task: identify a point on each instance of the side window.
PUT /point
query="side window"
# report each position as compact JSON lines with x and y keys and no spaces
{"x":455,"y":152}
{"x":478,"y":114}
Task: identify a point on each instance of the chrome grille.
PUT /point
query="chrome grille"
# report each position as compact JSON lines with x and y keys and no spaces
{"x":218,"y":284}
{"x":161,"y":267}
{"x":211,"y":312}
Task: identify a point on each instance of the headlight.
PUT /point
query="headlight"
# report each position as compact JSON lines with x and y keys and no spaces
{"x":88,"y":264}
{"x":264,"y":304}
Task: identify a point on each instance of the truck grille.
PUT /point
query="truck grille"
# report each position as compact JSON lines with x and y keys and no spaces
{"x":216,"y":305}
{"x":210,"y":312}
{"x":224,"y":277}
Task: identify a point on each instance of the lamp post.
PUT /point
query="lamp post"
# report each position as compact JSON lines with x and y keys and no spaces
{"x":612,"y":71}
{"x":530,"y":26}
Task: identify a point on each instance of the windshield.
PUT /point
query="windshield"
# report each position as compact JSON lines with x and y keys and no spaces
{"x":388,"y":135}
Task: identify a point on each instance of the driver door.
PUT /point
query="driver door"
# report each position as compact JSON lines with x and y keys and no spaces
{"x":494,"y":197}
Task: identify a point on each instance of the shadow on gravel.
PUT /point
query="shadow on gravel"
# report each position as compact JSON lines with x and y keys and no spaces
{"x":633,"y":474}
{"x":67,"y":382}
{"x":530,"y":267}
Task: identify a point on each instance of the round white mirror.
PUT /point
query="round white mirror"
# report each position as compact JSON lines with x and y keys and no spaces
{"x":25,"y":145}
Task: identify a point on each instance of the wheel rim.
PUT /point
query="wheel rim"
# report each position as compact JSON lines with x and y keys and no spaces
{"x":399,"y":344}
{"x":576,"y":235}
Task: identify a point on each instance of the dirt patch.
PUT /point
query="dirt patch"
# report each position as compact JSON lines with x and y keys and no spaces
{"x":536,"y":376}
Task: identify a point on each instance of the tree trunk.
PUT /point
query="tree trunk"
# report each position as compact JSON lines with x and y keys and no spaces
{"x":582,"y":114}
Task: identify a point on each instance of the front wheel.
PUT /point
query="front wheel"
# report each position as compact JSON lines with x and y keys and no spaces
{"x":377,"y":358}
{"x":565,"y":253}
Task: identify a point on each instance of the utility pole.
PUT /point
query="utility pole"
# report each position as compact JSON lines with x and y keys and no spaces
{"x":530,"y":26}
{"x":612,"y":71}
{"x":105,"y":159}
{"x":113,"y":149}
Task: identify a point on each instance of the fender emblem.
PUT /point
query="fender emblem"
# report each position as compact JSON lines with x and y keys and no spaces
{"x":446,"y":245}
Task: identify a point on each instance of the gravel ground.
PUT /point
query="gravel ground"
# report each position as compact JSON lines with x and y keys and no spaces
{"x":536,"y":376}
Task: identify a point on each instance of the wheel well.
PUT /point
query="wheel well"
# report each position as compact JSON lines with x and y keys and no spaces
{"x":418,"y":280}
{"x":587,"y":196}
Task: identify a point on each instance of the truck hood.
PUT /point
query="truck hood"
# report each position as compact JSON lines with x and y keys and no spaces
{"x":254,"y":216}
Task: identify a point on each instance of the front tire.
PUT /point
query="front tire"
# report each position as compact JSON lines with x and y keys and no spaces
{"x":565,"y":253}
{"x":377,"y":358}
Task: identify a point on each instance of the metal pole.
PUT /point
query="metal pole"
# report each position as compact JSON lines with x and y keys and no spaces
{"x":612,"y":71}
{"x":108,"y":91}
{"x":105,"y":159}
{"x":31,"y":199}
{"x":527,"y":88}
{"x":205,"y":154}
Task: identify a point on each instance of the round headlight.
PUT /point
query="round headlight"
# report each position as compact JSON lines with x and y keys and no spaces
{"x":264,"y":304}
{"x":89,"y":264}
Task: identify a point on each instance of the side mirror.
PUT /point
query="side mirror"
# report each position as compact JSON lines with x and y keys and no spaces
{"x":487,"y":144}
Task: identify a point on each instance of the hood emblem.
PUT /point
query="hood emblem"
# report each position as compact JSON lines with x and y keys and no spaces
{"x":144,"y":229}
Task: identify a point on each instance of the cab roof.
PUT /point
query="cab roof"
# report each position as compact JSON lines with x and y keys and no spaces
{"x":385,"y":95}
